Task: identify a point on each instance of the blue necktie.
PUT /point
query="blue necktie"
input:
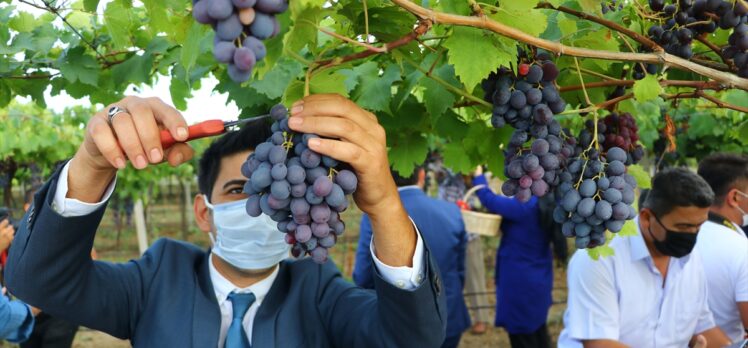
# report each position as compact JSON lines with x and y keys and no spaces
{"x":236,"y":336}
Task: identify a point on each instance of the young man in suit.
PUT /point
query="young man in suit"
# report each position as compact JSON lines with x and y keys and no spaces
{"x":441,"y":224}
{"x":242,"y":292}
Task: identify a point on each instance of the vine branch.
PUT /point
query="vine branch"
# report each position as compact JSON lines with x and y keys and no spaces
{"x":729,"y":80}
{"x":713,"y":47}
{"x":604,"y":22}
{"x":665,"y":83}
{"x":54,"y":10}
{"x":423,"y":27}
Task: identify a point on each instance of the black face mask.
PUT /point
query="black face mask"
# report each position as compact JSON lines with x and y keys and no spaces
{"x":676,"y":244}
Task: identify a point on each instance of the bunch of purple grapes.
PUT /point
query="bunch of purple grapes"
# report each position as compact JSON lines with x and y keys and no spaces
{"x":683,"y":20}
{"x":737,"y":50}
{"x":617,"y":130}
{"x":611,"y":6}
{"x":595,"y":195}
{"x":240,"y":27}
{"x":301,"y":190}
{"x":538,"y":147}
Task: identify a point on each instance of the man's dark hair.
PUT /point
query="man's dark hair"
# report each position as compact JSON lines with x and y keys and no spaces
{"x":401,"y":181}
{"x":247,"y":138}
{"x":677,"y":187}
{"x":642,"y":197}
{"x":723,"y":171}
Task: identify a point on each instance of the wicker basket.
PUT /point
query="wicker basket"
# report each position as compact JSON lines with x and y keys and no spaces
{"x":480,"y":223}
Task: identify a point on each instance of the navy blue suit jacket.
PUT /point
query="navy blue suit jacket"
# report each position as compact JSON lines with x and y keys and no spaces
{"x":166,"y":299}
{"x":443,"y":231}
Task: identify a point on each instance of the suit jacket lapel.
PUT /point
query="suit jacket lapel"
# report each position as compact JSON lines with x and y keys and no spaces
{"x":206,"y":316}
{"x":263,"y":330}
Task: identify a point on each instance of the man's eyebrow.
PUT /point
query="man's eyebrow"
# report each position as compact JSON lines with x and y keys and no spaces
{"x":229,"y":183}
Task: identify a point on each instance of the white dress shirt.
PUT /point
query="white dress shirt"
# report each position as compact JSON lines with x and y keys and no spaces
{"x":407,"y":278}
{"x":725,"y":256}
{"x":622,"y":297}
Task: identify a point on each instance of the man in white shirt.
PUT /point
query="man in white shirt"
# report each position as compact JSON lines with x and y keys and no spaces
{"x":242,"y":292}
{"x":722,"y":243}
{"x":652,"y":292}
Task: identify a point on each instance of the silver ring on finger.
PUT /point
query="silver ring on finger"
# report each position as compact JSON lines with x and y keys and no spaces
{"x":114,"y":111}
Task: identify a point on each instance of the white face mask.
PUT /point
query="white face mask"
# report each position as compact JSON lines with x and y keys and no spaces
{"x":745,"y":216}
{"x":246,"y":242}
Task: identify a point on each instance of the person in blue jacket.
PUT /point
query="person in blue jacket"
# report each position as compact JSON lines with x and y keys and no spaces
{"x":524,"y":268}
{"x":443,"y":230}
{"x":16,"y":318}
{"x":243,"y":292}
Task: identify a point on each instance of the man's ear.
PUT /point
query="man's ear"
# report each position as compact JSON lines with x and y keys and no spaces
{"x":732,"y":198}
{"x":202,"y":213}
{"x":644,"y":215}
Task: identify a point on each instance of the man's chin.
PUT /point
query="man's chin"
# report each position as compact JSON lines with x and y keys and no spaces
{"x":254,"y":272}
{"x":246,"y":272}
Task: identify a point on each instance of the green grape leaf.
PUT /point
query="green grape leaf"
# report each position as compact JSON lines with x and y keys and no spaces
{"x":602,"y":251}
{"x":374,"y":92}
{"x":462,"y":45}
{"x":406,"y":151}
{"x":629,"y":229}
{"x":647,"y":89}
{"x":90,"y":5}
{"x":76,"y":65}
{"x":643,"y":180}
{"x":191,"y":46}
{"x":118,"y":22}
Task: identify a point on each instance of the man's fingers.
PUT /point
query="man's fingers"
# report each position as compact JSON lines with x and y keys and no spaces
{"x":145,"y":125}
{"x":339,"y":150}
{"x":3,"y":224}
{"x":333,"y":127}
{"x":106,"y":142}
{"x":170,"y":118}
{"x":179,"y":153}
{"x":333,"y":105}
{"x":129,"y":139}
{"x":700,"y":342}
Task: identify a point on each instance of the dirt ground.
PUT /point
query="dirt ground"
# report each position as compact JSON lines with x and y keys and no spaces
{"x":164,"y":222}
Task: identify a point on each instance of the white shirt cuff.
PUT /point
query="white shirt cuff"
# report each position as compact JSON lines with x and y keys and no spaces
{"x":71,"y":207}
{"x":407,"y":278}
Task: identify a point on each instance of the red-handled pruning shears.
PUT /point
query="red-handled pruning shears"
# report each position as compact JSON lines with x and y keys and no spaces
{"x":206,"y":129}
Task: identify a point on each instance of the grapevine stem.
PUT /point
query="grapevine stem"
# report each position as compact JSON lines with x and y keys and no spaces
{"x":422,"y":28}
{"x":307,"y":81}
{"x":477,"y":10}
{"x":597,"y":74}
{"x":296,"y":56}
{"x":366,"y":21}
{"x":349,"y":40}
{"x":728,"y":79}
{"x":703,"y":39}
{"x":604,"y":22}
{"x":628,"y":83}
{"x":581,"y":80}
{"x":446,"y":84}
{"x":631,"y":48}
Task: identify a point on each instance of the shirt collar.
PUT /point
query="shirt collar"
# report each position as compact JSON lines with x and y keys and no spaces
{"x":410,"y":187}
{"x":223,"y":287}
{"x":639,"y":250}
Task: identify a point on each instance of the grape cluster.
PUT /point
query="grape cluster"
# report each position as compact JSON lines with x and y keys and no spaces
{"x":737,"y":48}
{"x":301,"y":190}
{"x":617,"y":130}
{"x":595,"y":195}
{"x":686,"y":19}
{"x":611,"y":5}
{"x":240,"y":27}
{"x":528,"y":103}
